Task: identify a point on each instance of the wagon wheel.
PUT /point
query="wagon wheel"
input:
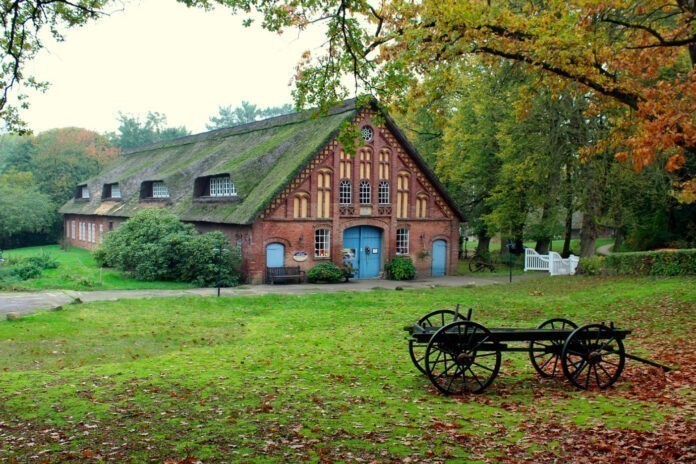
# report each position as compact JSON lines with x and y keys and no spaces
{"x":437,"y":318}
{"x":593,"y":356}
{"x":462,"y":358}
{"x":546,"y":354}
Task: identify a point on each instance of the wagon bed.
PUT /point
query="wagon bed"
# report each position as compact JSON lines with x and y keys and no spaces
{"x":462,"y":356}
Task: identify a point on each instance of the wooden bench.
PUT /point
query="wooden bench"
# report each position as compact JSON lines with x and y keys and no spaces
{"x":284,"y":273}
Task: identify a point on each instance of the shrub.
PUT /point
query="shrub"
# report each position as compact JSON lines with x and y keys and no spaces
{"x":657,"y":263}
{"x":400,"y":268}
{"x":155,"y":245}
{"x":325,"y":272}
{"x":591,"y":266}
{"x":27,"y":271}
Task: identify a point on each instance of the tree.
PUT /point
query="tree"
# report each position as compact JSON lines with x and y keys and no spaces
{"x":23,"y":24}
{"x":23,"y":209}
{"x":132,"y":132}
{"x":246,"y":113}
{"x":639,"y":56}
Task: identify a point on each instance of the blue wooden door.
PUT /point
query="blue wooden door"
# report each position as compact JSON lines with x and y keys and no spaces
{"x":439,"y":257}
{"x":362,"y":245}
{"x":275,"y":255}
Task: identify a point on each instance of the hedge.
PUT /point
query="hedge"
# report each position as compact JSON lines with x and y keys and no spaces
{"x":656,"y":263}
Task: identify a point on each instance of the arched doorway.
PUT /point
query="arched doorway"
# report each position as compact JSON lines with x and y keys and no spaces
{"x":362,"y":246}
{"x":275,"y":255}
{"x":439,"y":262}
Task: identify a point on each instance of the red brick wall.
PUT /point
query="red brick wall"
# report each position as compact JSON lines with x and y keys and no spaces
{"x":88,"y":229}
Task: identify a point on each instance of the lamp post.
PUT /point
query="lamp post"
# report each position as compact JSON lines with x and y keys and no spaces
{"x":220,"y":251}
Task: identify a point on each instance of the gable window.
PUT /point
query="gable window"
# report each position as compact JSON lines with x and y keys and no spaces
{"x":154,"y":189}
{"x":421,"y":206}
{"x":345,"y":192}
{"x":402,"y":187}
{"x":300,"y":202}
{"x":345,"y":166}
{"x":365,"y":163}
{"x":222,"y":186}
{"x":367,"y":133}
{"x":365,"y":192}
{"x":402,"y":239}
{"x":384,"y":155}
{"x":383,"y":192}
{"x":111,"y":192}
{"x":82,"y":192}
{"x":218,"y":187}
{"x":324,"y":193}
{"x":322,"y":243}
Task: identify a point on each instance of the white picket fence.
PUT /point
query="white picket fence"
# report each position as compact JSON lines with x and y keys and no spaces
{"x":552,"y":262}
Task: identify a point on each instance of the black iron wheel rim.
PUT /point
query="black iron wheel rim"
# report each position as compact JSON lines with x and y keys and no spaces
{"x":438,"y":318}
{"x":593,"y":357}
{"x":545,"y":355}
{"x":455,"y":361}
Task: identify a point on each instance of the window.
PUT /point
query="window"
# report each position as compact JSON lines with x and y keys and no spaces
{"x":366,"y":133}
{"x":365,"y":192}
{"x":111,"y":192}
{"x":384,"y":155}
{"x":345,"y":192}
{"x":365,"y":163}
{"x":72,"y":230}
{"x":82,"y":192}
{"x":421,"y":206}
{"x":159,"y":189}
{"x":324,"y":193}
{"x":222,"y":186}
{"x":402,"y":241}
{"x":300,"y":203}
{"x":101,"y":233}
{"x":383,"y":192}
{"x":402,"y":186}
{"x":345,"y":166}
{"x":322,"y":243}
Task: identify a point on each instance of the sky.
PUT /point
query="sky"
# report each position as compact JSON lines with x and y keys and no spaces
{"x":159,"y":55}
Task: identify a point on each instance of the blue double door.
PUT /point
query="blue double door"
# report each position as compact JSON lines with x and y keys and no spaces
{"x":362,"y":247}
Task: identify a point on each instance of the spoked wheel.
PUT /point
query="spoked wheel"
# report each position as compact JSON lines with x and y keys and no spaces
{"x":593,"y":356}
{"x":478,"y":265}
{"x":546,"y":354}
{"x":461,"y":358}
{"x":438,"y":318}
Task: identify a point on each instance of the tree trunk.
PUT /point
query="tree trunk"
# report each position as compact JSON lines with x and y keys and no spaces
{"x":588,"y":235}
{"x":568,"y":233}
{"x":542,"y":246}
{"x":484,"y":243}
{"x":618,"y":239}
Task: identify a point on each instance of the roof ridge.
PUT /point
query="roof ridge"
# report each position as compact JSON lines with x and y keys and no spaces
{"x":275,"y":121}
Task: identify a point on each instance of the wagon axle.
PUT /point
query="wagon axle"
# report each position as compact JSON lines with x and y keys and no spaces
{"x":462,"y":356}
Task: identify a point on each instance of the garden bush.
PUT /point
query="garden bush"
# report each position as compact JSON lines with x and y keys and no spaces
{"x":18,"y":269}
{"x":400,"y":268}
{"x":325,"y":272}
{"x":593,"y":266}
{"x":155,"y":245}
{"x":657,"y":263}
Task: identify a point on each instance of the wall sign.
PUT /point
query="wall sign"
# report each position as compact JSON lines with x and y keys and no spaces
{"x":300,"y":256}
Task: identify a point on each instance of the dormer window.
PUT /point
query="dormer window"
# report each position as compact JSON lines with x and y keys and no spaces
{"x":218,"y":187}
{"x":111,"y":192}
{"x":82,"y":192}
{"x":154,"y":189}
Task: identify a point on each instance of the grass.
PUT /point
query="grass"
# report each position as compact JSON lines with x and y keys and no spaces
{"x":327,"y":378}
{"x":77,"y":270}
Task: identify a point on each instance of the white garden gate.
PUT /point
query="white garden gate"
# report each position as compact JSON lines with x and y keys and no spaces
{"x":552,"y":262}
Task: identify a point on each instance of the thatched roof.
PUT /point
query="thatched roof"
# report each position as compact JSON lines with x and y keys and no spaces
{"x":262,"y":158}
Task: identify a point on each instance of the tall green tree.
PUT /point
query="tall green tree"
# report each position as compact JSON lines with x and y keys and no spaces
{"x":24,"y":210}
{"x":133,"y":132}
{"x":245,"y":113}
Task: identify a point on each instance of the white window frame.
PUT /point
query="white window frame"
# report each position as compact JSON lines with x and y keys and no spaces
{"x":84,"y":192}
{"x":322,"y":243}
{"x":365,"y":192}
{"x":345,"y":192}
{"x":402,"y":241}
{"x":159,"y":189}
{"x":383,"y":192}
{"x":73,"y":229}
{"x":115,"y":191}
{"x":222,"y":186}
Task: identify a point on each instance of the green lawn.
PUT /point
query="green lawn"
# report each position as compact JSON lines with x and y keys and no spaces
{"x":327,"y":378}
{"x":76,"y":271}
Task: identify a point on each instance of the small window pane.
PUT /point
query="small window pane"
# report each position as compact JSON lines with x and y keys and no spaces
{"x":222,"y":187}
{"x":159,"y":190}
{"x":115,"y":191}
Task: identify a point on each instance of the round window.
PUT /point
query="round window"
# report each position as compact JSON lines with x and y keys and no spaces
{"x":367,"y":133}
